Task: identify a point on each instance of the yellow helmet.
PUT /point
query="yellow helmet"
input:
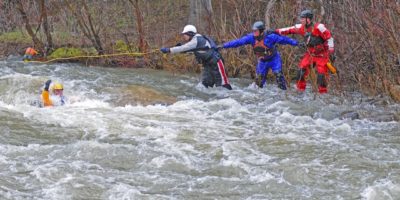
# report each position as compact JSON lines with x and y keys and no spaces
{"x":58,"y":86}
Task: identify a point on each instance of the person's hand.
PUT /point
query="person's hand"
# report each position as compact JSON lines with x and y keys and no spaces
{"x":47,"y":85}
{"x":165,"y":50}
{"x":220,"y":46}
{"x":271,"y":31}
{"x":178,"y":44}
{"x":302,"y":45}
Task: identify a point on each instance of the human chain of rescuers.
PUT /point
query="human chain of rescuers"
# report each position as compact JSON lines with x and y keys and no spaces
{"x":318,"y":42}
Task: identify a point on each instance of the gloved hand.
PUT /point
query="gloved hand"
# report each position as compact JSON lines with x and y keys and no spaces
{"x":165,"y":50}
{"x":220,"y":46}
{"x":178,"y":44}
{"x":271,"y":31}
{"x":47,"y":85}
{"x":302,"y":45}
{"x":332,"y":57}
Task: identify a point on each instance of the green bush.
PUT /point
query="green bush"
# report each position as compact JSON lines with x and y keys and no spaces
{"x":15,"y":37}
{"x":65,"y":52}
{"x":121,"y":46}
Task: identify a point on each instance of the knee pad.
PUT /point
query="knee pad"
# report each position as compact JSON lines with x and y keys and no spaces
{"x":300,"y":74}
{"x":280,"y":80}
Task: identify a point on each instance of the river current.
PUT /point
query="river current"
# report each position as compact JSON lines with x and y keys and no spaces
{"x":145,"y":134}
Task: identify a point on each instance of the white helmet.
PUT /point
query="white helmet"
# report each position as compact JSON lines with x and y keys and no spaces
{"x":189,"y":28}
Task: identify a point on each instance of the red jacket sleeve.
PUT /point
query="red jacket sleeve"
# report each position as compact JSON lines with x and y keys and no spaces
{"x":296,"y":29}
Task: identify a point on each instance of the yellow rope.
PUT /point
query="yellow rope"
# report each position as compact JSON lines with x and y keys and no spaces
{"x":97,"y":56}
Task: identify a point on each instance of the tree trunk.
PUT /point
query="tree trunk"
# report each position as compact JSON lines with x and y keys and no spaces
{"x":270,"y":5}
{"x":88,"y":31}
{"x":197,"y":16}
{"x":43,"y":11}
{"x":37,"y":43}
{"x":139,"y":24}
{"x":98,"y":44}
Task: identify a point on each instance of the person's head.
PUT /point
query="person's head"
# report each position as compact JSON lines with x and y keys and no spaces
{"x":188,"y":32}
{"x":58,"y":89}
{"x":258,"y":28}
{"x":306,"y":17}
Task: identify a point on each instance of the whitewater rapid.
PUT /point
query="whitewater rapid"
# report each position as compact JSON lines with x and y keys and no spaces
{"x":189,"y":142}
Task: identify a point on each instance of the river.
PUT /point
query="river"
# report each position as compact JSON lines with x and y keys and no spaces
{"x":183,"y":141}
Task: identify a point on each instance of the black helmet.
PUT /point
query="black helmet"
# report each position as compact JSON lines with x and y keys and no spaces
{"x":306,"y":14}
{"x":258,"y":25}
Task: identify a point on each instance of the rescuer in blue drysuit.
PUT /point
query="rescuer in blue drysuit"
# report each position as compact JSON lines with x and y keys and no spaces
{"x":264,"y":47}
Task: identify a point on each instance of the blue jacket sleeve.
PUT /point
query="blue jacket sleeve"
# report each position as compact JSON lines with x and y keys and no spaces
{"x":247,"y":39}
{"x":275,"y":38}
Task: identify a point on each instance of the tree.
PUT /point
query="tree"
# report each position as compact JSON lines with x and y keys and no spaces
{"x":43,"y":17}
{"x":139,"y":24}
{"x":37,"y":43}
{"x":200,"y":11}
{"x":85,"y":22}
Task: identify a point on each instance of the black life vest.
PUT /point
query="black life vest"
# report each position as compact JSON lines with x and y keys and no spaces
{"x":312,"y":40}
{"x":205,"y":54}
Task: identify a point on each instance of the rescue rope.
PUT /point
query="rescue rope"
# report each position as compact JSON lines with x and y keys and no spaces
{"x":97,"y":56}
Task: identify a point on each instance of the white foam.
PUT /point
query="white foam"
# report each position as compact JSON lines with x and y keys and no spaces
{"x":384,"y":189}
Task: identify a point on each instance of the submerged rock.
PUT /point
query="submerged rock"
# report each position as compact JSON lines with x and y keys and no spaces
{"x":350,"y":115}
{"x":138,"y":94}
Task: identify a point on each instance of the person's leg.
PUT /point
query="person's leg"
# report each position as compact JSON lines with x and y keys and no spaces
{"x":276,"y":66}
{"x":207,"y":77}
{"x":322,"y":71}
{"x":261,"y":73}
{"x":220,"y":75}
{"x":303,"y":72}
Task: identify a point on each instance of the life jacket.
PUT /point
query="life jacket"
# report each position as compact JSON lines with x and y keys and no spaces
{"x":312,"y":40}
{"x":205,"y":54}
{"x":30,"y":51}
{"x":261,"y":50}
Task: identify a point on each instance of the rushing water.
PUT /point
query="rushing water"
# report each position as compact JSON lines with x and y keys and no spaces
{"x":199,"y":144}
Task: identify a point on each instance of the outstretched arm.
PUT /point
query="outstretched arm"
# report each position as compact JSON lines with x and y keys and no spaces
{"x":282,"y":39}
{"x":289,"y":30}
{"x":247,"y":39}
{"x":46,"y":95}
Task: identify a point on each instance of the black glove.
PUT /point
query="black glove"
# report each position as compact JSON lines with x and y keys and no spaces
{"x":47,"y":85}
{"x":332,"y":57}
{"x":302,"y":45}
{"x":220,"y":46}
{"x":178,"y":44}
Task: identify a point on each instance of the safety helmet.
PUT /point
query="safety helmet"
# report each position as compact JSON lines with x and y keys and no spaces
{"x":258,"y":25}
{"x":189,"y":29}
{"x":58,"y":86}
{"x":306,"y":14}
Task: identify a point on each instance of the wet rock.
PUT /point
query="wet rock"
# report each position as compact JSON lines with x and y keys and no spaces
{"x":350,"y":115}
{"x":384,"y":118}
{"x":137,"y":94}
{"x":395,"y":92}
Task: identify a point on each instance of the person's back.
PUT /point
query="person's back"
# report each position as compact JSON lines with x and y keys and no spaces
{"x":29,"y":53}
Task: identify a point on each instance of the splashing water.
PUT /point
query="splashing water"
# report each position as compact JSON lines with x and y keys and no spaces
{"x":143,"y":134}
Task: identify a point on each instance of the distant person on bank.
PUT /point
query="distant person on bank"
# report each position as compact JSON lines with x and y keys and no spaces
{"x":206,"y":53}
{"x":29,"y":54}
